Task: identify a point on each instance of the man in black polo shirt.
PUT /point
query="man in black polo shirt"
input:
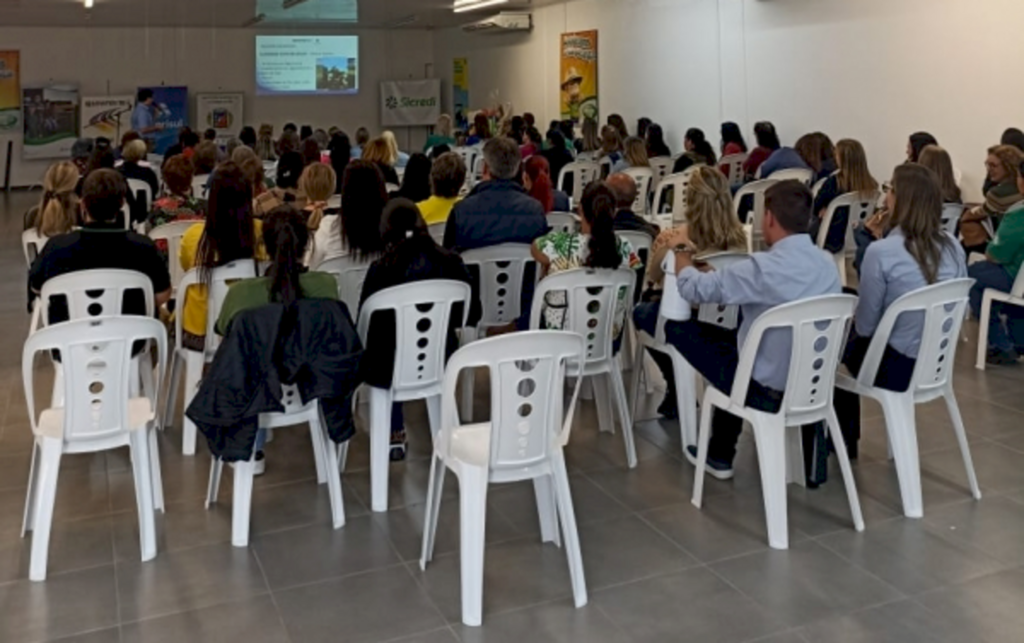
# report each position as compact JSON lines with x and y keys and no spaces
{"x":101,"y":244}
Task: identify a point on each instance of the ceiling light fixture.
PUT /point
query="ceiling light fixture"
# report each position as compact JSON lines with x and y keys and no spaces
{"x":88,"y":4}
{"x":472,"y":5}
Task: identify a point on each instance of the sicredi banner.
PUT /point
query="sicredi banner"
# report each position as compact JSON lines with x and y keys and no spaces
{"x":406,"y":103}
{"x":107,"y":116}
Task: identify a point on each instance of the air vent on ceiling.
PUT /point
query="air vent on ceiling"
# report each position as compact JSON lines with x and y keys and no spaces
{"x":504,"y":22}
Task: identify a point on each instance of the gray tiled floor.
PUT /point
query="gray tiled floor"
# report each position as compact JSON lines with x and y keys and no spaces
{"x":657,"y":568}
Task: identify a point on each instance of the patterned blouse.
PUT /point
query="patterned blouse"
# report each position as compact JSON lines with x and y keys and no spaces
{"x":169,"y":209}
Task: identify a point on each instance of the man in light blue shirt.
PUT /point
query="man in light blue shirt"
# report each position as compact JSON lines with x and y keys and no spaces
{"x":144,"y":117}
{"x":792,"y":269}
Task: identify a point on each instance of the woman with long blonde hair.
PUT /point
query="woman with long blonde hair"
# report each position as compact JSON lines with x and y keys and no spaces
{"x":378,"y":152}
{"x":710,"y":226}
{"x":398,"y":157}
{"x":853,"y":176}
{"x":58,"y":210}
{"x":634,"y":155}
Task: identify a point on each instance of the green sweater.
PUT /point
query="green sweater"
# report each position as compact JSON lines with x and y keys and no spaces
{"x":1008,"y":246}
{"x":251,"y":293}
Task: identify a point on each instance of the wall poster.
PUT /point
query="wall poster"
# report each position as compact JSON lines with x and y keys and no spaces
{"x":10,"y":90}
{"x":107,"y":116}
{"x":51,"y":121}
{"x":460,"y":92}
{"x":578,"y":76}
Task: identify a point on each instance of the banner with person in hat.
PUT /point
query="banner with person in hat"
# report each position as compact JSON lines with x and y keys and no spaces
{"x":579,"y":75}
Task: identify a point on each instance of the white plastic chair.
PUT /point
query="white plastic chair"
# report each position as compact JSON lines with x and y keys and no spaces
{"x":859,"y":207}
{"x":220,"y":279}
{"x":677,"y":183}
{"x":951,"y":213}
{"x":582,"y":173}
{"x":943,"y":306}
{"x":422,"y":312}
{"x":139,"y":186}
{"x":563,"y":221}
{"x":199,"y":185}
{"x":592,"y":298}
{"x":755,"y":219}
{"x":735,"y":164}
{"x":643,"y":177}
{"x":172,"y":233}
{"x":662,"y":167}
{"x":478,"y":168}
{"x":325,"y":451}
{"x":524,"y":440}
{"x":32,"y":243}
{"x":818,"y":326}
{"x":437,"y":232}
{"x":684,"y":375}
{"x":99,"y":413}
{"x":350,"y":275}
{"x":820,"y":183}
{"x":1013,"y":298}
{"x":468,"y":155}
{"x":805,"y":176}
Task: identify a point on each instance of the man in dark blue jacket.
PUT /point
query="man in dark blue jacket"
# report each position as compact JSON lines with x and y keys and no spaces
{"x":498,"y":210}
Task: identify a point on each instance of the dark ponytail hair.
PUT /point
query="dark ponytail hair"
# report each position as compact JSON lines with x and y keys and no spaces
{"x":598,"y":205}
{"x":401,"y":222}
{"x":701,"y":147}
{"x":286,"y":236}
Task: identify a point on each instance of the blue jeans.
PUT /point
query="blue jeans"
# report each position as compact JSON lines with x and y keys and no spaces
{"x":1007,"y":336}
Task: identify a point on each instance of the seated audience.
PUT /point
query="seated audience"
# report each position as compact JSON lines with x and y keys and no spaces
{"x":378,"y":152}
{"x":619,"y":123}
{"x":447,"y":176}
{"x":289,"y":142}
{"x":611,"y":146}
{"x":589,"y":142}
{"x":177,"y":203}
{"x":938,"y":161}
{"x":101,"y":243}
{"x":497,"y":210}
{"x":398,"y":157}
{"x":286,"y":188}
{"x":81,"y":151}
{"x":210,"y":134}
{"x":625,"y":190}
{"x":205,"y":159}
{"x":442,"y":134}
{"x":186,"y":143}
{"x":362,"y":138}
{"x":784,"y":158}
{"x":101,"y":158}
{"x":248,"y":137}
{"x":917,"y":142}
{"x":317,"y":183}
{"x":556,"y":153}
{"x":310,"y":151}
{"x":133,"y":154}
{"x":732,"y":139}
{"x":656,"y":145}
{"x":246,"y":159}
{"x":356,"y":231}
{"x":698,"y":151}
{"x":1002,"y":165}
{"x":265,"y":143}
{"x":767,"y":143}
{"x":642,"y":124}
{"x":1003,"y":259}
{"x":853,"y":176}
{"x":532,"y":142}
{"x":792,"y":269}
{"x":322,"y":138}
{"x":410,"y":255}
{"x":58,"y":210}
{"x":340,"y":149}
{"x":480,"y":132}
{"x":634,"y":155}
{"x":416,"y":180}
{"x":818,"y":153}
{"x":537,"y":181}
{"x":305,"y":132}
{"x":711,"y":226}
{"x":230,"y":233}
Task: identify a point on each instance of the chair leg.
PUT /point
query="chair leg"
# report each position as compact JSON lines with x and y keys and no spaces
{"x":342,"y":455}
{"x":173,"y":386}
{"x":770,"y":438}
{"x":316,"y":437}
{"x":634,"y":379}
{"x":329,"y":449}
{"x":242,"y":502}
{"x":434,"y":414}
{"x":703,"y":440}
{"x":467,"y":380}
{"x":213,"y":487}
{"x":547,"y":509}
{"x":472,"y":531}
{"x":844,"y":464}
{"x":434,"y":489}
{"x":986,"y":316}
{"x":28,"y":521}
{"x":46,"y":496}
{"x":380,"y":446}
{"x":961,"y":437}
{"x":900,"y":422}
{"x":619,"y":390}
{"x":193,"y":374}
{"x":156,"y":471}
{"x":560,"y":476}
{"x":686,"y":398}
{"x":603,"y":402}
{"x":141,"y":471}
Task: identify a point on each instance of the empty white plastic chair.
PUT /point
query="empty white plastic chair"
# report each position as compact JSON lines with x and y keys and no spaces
{"x":596,"y":300}
{"x":350,"y":275}
{"x":422,"y":311}
{"x":818,"y":326}
{"x":943,"y":307}
{"x":563,"y":221}
{"x":662,"y":167}
{"x":859,"y":208}
{"x":194,"y":361}
{"x":582,"y":174}
{"x":325,"y":453}
{"x":524,"y":440}
{"x":32,"y":243}
{"x":644,"y":178}
{"x":734,"y":163}
{"x":951,"y":213}
{"x":99,"y":413}
{"x":172,"y":233}
{"x":753,"y":224}
{"x":676,"y":206}
{"x":803,"y":175}
{"x":1014,"y":298}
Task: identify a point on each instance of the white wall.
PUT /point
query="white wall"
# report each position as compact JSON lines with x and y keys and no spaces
{"x":119,"y":60}
{"x":875,"y":70}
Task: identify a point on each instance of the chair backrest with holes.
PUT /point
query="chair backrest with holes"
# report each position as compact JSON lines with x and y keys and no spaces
{"x":755,"y":189}
{"x":581,"y":173}
{"x":943,"y":307}
{"x":734,"y":163}
{"x":527,"y":373}
{"x":199,"y":186}
{"x":562,"y":221}
{"x":502,"y":272}
{"x":662,"y":167}
{"x":951,"y":213}
{"x":422,"y":316}
{"x":350,"y":275}
{"x":818,"y":326}
{"x":718,"y":314}
{"x":139,"y":188}
{"x":859,"y":207}
{"x":95,"y":293}
{"x":437,"y":232}
{"x":96,"y":358}
{"x":172,"y":233}
{"x":641,"y":243}
{"x":32,"y":244}
{"x":592,"y":297}
{"x":221,"y":279}
{"x":803,"y":175}
{"x":676,"y":203}
{"x":643,"y":177}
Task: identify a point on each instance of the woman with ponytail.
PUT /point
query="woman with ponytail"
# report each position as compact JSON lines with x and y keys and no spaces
{"x":538,"y":182}
{"x":594,"y":246}
{"x":410,"y":254}
{"x":57,"y":212}
{"x":317,"y":183}
{"x":698,"y":151}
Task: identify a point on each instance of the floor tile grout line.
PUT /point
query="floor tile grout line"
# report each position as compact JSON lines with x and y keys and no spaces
{"x":190,"y":609}
{"x":273,"y":598}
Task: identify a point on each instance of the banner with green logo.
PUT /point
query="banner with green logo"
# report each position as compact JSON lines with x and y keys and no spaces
{"x":405,"y":103}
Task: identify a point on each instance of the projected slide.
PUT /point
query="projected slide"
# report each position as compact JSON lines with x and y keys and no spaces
{"x":310,"y":65}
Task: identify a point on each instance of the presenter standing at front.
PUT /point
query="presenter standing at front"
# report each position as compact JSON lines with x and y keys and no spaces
{"x":144,"y":117}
